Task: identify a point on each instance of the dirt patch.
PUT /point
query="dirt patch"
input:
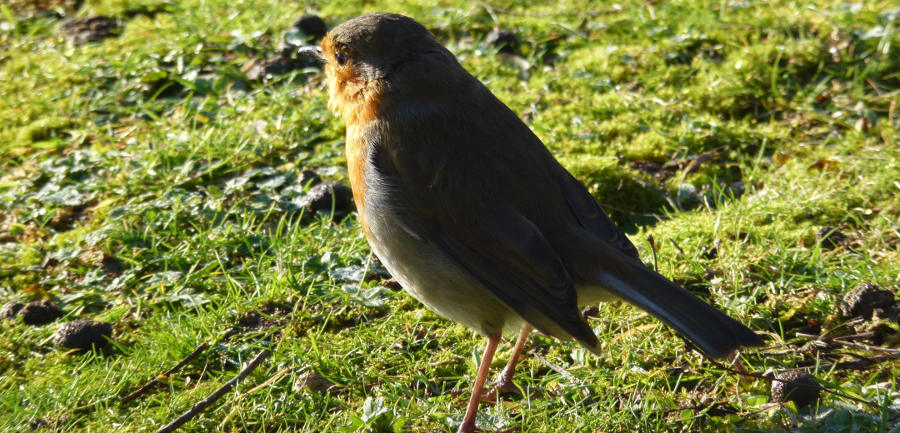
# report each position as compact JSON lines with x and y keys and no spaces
{"x":40,"y":313}
{"x":90,"y":29}
{"x":797,"y":386}
{"x":83,"y":334}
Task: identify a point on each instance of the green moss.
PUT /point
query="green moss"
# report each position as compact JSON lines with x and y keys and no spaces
{"x":625,"y":95}
{"x":646,"y":146}
{"x":44,"y":129}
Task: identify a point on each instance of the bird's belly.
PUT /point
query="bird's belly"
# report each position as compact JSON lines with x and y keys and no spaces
{"x":433,"y":278}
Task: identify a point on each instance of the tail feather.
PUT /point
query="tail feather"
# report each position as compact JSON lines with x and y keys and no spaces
{"x":710,"y":329}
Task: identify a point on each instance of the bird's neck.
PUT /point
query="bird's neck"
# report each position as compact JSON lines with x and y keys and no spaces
{"x":356,"y":102}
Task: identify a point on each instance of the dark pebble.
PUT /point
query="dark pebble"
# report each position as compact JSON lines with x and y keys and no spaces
{"x":797,"y":386}
{"x":864,"y":299}
{"x":392,"y":284}
{"x":89,"y":29}
{"x":505,"y":41}
{"x":312,"y":26}
{"x":111,"y":265}
{"x":830,"y":237}
{"x":308,"y":177}
{"x":320,"y":197}
{"x":10,"y":310}
{"x":82,"y":334}
{"x":40,"y":313}
{"x":266,"y":317}
{"x":314,"y":382}
{"x":38,"y":424}
{"x":262,"y":69}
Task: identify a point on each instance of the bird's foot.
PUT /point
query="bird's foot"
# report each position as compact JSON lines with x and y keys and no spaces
{"x":497,"y":388}
{"x":473,"y":429}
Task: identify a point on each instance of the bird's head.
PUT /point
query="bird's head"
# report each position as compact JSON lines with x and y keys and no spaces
{"x":378,"y":55}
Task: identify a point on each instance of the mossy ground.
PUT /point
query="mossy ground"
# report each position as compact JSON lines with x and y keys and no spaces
{"x":147,"y":182}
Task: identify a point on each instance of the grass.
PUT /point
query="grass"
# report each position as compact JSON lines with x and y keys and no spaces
{"x":147,"y":182}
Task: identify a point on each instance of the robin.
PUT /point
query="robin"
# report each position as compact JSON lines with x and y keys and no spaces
{"x":471,"y":213}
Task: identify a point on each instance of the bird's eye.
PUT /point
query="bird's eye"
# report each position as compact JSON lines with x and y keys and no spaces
{"x":341,"y":57}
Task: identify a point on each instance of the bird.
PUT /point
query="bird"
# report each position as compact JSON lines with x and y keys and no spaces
{"x":468,"y":209}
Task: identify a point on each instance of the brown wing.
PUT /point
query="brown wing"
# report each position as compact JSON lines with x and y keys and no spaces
{"x":593,"y":219}
{"x":468,"y":176}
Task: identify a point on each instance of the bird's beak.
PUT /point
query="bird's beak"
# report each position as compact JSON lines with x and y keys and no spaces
{"x":313,"y":51}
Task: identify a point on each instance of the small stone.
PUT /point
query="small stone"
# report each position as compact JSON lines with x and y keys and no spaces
{"x":38,"y":424}
{"x":111,"y":265}
{"x":738,"y":188}
{"x":313,"y":382}
{"x":320,"y":198}
{"x":83,"y":334}
{"x":269,"y":315}
{"x":830,"y":237}
{"x":797,"y":386}
{"x":40,"y":313}
{"x":712,"y":252}
{"x":864,"y":299}
{"x":590,"y":311}
{"x":687,"y":194}
{"x":262,"y":69}
{"x":10,"y":310}
{"x":392,"y":284}
{"x":505,"y":41}
{"x":89,"y":29}
{"x":308,"y":177}
{"x":312,"y":26}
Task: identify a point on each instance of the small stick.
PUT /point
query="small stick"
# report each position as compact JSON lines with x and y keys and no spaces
{"x":561,"y":371}
{"x":269,"y":381}
{"x":887,"y":350}
{"x":678,"y":247}
{"x":166,"y":373}
{"x":197,"y":408}
{"x":652,"y":243}
{"x":839,"y":340}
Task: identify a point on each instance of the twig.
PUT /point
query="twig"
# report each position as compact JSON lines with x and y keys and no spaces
{"x":678,"y":247}
{"x":202,"y":373}
{"x":269,"y":381}
{"x":197,"y":408}
{"x":874,"y":87}
{"x":561,"y":371}
{"x":698,"y":160}
{"x":860,"y":364}
{"x":166,"y":373}
{"x":734,"y":363}
{"x":838,"y":340}
{"x":652,"y":243}
{"x":886,"y":350}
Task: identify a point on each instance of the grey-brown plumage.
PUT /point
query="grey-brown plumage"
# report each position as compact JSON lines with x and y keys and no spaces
{"x":469,"y":210}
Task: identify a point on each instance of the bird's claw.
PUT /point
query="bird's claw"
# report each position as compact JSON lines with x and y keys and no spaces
{"x":497,"y":388}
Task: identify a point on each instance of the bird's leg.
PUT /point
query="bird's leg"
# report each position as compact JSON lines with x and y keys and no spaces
{"x":504,"y":383}
{"x":468,"y":424}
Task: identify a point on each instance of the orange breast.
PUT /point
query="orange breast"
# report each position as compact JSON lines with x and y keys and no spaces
{"x":357,"y":101}
{"x":357,"y":154}
{"x":358,"y":112}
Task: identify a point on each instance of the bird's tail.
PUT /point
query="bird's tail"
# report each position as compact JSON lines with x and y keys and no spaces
{"x":711,"y":330}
